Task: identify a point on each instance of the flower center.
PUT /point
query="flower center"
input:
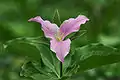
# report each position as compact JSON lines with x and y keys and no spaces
{"x":59,"y":36}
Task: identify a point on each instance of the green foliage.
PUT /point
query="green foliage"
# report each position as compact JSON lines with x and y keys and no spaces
{"x":20,"y":47}
{"x":84,"y":58}
{"x":95,"y":55}
{"x":28,"y":69}
{"x":56,"y":18}
{"x":78,"y":34}
{"x":1,"y":48}
{"x":42,"y":77}
{"x":49,"y":59}
{"x":66,"y":64}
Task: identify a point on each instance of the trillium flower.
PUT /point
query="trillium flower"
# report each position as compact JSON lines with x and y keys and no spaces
{"x":57,"y":35}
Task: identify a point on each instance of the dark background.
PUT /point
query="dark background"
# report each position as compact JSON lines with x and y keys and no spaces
{"x":103,"y":27}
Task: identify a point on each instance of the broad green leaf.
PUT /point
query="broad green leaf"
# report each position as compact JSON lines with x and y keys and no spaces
{"x":66,"y":64}
{"x":48,"y":58}
{"x":23,"y":48}
{"x":95,"y":55}
{"x":56,"y":17}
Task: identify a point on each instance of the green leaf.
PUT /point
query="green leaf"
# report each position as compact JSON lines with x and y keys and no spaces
{"x":48,"y":58}
{"x":28,"y":69}
{"x":56,"y":17}
{"x":26,"y":46}
{"x":42,"y":77}
{"x":78,"y":34}
{"x":95,"y":55}
{"x":66,"y":64}
{"x":31,"y":68}
{"x":36,"y":50}
{"x":23,"y":48}
{"x":37,"y":40}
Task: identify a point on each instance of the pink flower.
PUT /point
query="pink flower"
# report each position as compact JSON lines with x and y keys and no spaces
{"x":57,"y":43}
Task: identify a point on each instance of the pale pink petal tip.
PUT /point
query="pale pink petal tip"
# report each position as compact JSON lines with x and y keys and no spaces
{"x":82,"y":19}
{"x":36,"y":19}
{"x":60,"y":58}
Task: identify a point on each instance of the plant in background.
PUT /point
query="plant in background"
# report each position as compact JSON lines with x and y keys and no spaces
{"x":41,"y":62}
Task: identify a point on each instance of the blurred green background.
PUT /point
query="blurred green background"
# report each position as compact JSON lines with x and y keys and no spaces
{"x":103,"y":27}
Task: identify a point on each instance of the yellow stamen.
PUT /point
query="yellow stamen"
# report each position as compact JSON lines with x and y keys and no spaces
{"x":59,"y":36}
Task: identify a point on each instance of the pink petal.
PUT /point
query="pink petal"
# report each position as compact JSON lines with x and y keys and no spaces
{"x":72,"y":25}
{"x":61,"y":48}
{"x":49,"y":29}
{"x":37,"y":19}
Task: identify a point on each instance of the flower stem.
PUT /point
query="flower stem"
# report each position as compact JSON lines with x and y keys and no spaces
{"x":61,"y":69}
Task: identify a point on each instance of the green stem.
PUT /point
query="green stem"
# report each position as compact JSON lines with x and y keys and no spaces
{"x":61,"y":69}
